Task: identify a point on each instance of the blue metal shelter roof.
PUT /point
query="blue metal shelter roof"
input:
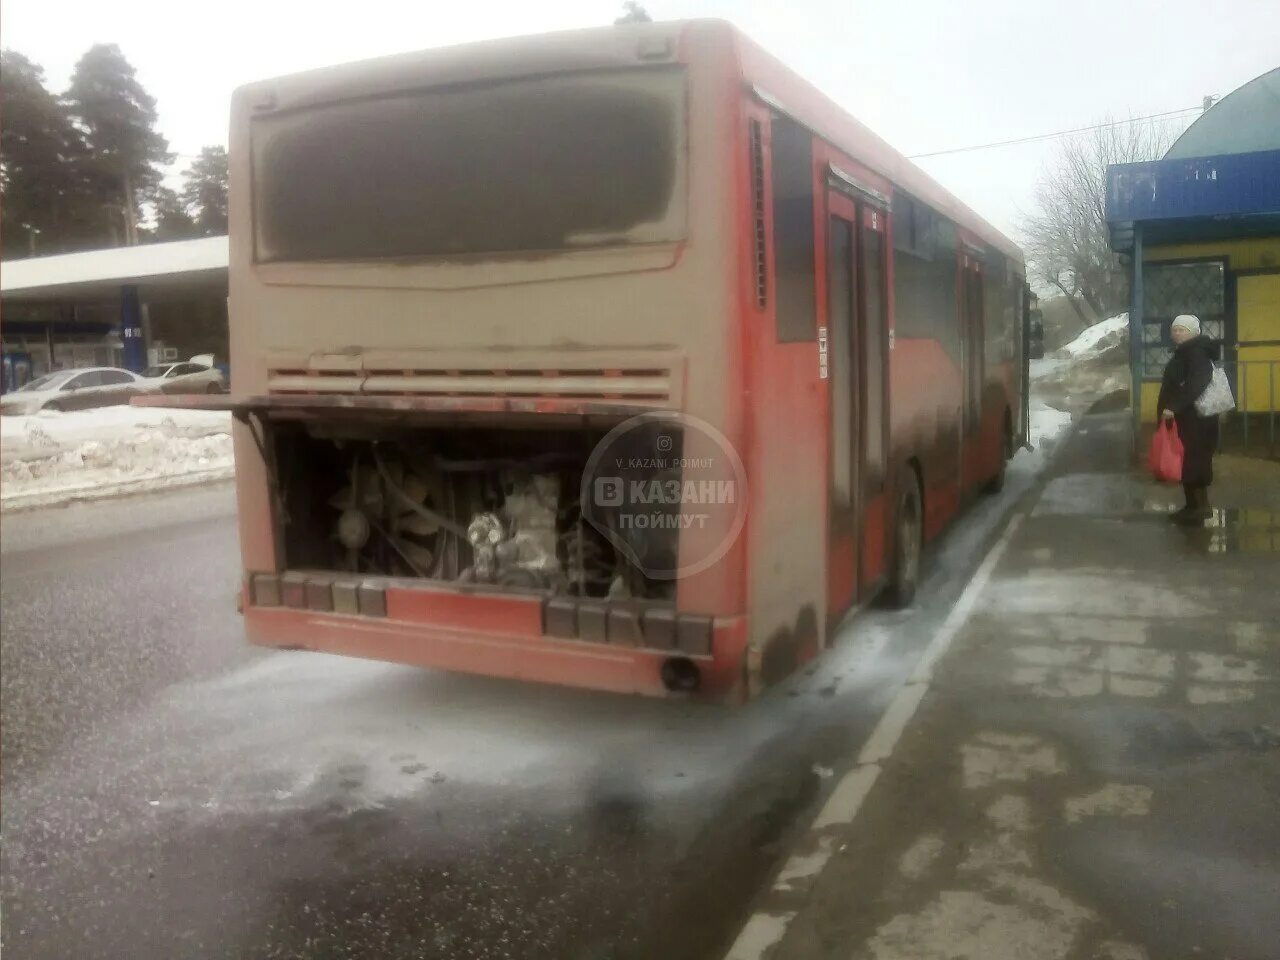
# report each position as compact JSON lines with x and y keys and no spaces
{"x":1240,"y":184}
{"x":1183,"y":198}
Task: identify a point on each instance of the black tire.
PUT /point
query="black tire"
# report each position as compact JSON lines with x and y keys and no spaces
{"x":213,"y":388}
{"x":908,"y":544}
{"x":996,"y":483}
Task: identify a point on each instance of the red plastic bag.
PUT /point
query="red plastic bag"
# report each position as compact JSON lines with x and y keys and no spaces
{"x":1165,"y":457}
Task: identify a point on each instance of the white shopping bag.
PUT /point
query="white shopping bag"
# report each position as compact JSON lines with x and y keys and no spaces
{"x":1217,"y":397}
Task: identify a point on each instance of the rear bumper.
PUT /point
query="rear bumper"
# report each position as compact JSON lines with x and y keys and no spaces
{"x":500,"y":636}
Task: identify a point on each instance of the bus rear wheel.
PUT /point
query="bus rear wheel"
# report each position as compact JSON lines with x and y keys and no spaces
{"x":908,"y":542}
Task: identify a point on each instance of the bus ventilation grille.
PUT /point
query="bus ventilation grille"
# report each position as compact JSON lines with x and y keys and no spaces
{"x":650,"y":386}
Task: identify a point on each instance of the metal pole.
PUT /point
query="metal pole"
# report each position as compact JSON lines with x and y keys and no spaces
{"x":1244,"y":399}
{"x":1223,"y":418}
{"x":145,"y":311}
{"x":1135,"y":335}
{"x":135,"y":355}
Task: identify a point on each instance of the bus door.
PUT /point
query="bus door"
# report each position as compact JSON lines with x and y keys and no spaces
{"x":972,"y":339}
{"x":842,"y":362}
{"x":873,"y":320}
{"x":855,"y":362}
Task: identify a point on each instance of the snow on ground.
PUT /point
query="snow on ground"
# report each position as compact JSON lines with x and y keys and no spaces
{"x":1046,"y":421}
{"x":1047,"y":367}
{"x":1091,"y":340}
{"x":54,"y":457}
{"x":1090,"y":345}
{"x":1093,"y":366}
{"x":1090,"y":367}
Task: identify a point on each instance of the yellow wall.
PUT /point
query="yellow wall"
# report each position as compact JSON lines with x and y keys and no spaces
{"x":1262,"y":253}
{"x":1257,"y":315}
{"x":1150,"y":392}
{"x":1258,"y":318}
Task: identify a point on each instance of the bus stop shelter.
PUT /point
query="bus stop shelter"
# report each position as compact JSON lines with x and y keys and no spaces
{"x":1200,"y":232}
{"x":1202,"y":236}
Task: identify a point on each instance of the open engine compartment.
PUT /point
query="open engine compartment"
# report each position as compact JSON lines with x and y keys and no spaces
{"x":499,"y":506}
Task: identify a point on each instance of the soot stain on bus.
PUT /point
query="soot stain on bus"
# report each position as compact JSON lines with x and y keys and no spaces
{"x":603,"y":152}
{"x":788,"y":648}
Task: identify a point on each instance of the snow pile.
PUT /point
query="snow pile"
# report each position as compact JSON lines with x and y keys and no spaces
{"x":1103,"y":334}
{"x":1092,"y":366}
{"x":54,"y":457}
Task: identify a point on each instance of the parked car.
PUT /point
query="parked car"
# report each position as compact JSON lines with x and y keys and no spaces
{"x":187,"y":377}
{"x":74,"y":390}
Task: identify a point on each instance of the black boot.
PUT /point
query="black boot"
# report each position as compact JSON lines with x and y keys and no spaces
{"x":1202,"y":503}
{"x":1189,"y":492}
{"x":1198,"y":509}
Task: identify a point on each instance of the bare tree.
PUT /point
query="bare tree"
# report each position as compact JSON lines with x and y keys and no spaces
{"x":1066,"y":238}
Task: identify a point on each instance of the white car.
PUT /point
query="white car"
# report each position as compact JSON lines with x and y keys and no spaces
{"x":73,"y":390}
{"x":186,"y":377}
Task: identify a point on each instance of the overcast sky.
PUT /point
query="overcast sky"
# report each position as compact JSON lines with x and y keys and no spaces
{"x":925,"y":74}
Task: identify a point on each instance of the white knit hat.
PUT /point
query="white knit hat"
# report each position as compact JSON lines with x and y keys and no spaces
{"x":1187,"y":322}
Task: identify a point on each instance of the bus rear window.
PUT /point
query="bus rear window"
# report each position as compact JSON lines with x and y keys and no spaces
{"x":516,"y":167}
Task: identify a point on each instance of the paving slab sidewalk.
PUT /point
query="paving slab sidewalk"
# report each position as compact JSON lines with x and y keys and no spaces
{"x":1094,"y":773}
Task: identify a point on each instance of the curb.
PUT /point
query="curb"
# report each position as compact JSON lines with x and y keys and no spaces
{"x":88,"y":493}
{"x":792,"y":882}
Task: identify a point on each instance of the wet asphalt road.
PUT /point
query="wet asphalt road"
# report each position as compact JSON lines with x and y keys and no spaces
{"x":169,"y":792}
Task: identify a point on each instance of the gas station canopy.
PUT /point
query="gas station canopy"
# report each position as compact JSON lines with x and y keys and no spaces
{"x":99,"y":275}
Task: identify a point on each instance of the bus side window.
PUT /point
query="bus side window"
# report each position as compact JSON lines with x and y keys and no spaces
{"x":793,"y":254}
{"x":973,"y":338}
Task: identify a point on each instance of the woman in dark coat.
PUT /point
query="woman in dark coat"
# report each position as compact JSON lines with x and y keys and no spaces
{"x":1187,"y":375}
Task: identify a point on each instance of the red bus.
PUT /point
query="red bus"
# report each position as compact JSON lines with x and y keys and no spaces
{"x":462,"y":280}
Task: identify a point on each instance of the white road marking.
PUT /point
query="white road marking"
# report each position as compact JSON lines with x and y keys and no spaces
{"x":804,"y":867}
{"x":764,"y":930}
{"x":888,"y":731}
{"x":959,"y":614}
{"x":761,"y":934}
{"x":844,"y":801}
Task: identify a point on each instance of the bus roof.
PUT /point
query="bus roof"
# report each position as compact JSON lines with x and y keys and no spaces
{"x":809,"y":105}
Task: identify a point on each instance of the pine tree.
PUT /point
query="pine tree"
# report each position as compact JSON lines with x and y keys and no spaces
{"x":204,"y":191}
{"x":117,"y":118}
{"x":172,"y":221}
{"x":42,"y":209}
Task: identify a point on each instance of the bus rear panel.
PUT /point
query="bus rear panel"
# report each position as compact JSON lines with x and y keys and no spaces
{"x":458,"y":276}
